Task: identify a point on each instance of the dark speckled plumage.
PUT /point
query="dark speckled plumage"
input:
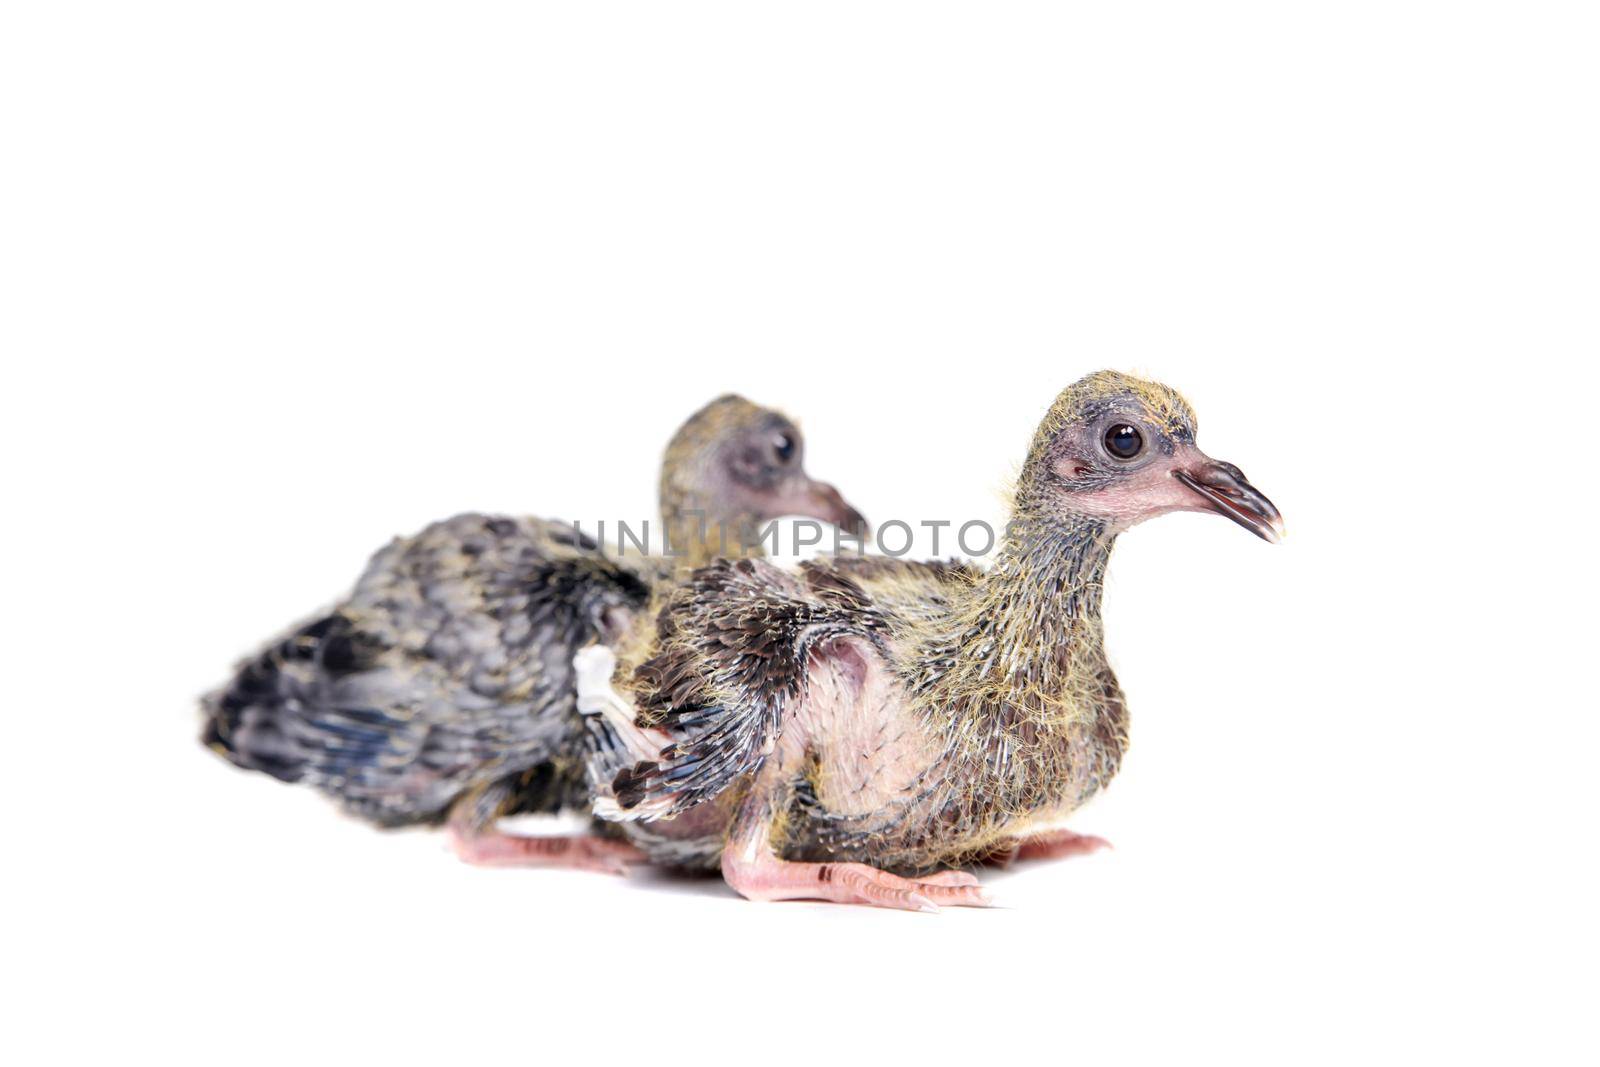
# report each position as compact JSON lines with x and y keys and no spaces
{"x":865,"y":721}
{"x":448,"y":668}
{"x":447,"y":673}
{"x":759,"y":625}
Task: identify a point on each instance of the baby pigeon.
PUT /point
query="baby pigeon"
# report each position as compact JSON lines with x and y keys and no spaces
{"x":854,"y":731}
{"x":442,"y":686}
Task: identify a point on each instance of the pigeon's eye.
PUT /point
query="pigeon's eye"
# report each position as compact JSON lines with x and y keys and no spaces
{"x":1124,"y":441}
{"x":783,"y":447}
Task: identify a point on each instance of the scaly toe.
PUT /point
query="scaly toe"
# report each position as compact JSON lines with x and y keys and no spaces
{"x":950,"y":878}
{"x":958,"y":896}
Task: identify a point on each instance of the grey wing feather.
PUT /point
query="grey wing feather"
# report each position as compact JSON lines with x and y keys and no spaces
{"x":733,"y":647}
{"x":447,"y":667}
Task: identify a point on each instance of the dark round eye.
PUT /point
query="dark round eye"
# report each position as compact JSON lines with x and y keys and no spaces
{"x":1124,"y":441}
{"x":783,"y":445}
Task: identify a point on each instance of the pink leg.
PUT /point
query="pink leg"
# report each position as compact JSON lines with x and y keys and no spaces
{"x":749,"y":867}
{"x":492,"y":848}
{"x":475,"y":840}
{"x":1058,"y":844}
{"x":852,"y":883}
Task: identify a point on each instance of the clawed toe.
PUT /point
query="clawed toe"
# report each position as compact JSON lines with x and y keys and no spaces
{"x":950,"y":878}
{"x":956,"y":896}
{"x":868,"y":885}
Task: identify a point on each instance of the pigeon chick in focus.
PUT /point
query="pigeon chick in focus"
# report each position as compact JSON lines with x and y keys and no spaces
{"x":859,"y":730}
{"x":441,"y":688}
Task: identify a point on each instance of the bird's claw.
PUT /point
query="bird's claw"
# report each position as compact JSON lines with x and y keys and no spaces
{"x":882,"y":889}
{"x":855,"y":883}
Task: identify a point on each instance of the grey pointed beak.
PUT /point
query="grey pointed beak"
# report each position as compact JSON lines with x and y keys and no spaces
{"x":1225,"y":490}
{"x":821,"y":501}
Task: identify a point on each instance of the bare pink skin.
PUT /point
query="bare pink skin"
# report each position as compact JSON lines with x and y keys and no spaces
{"x":844,"y":712}
{"x":1057,"y":844}
{"x":847,"y":709}
{"x":1161,"y":485}
{"x":585,"y":852}
{"x":849,"y":736}
{"x":1146,"y":493}
{"x":749,"y":866}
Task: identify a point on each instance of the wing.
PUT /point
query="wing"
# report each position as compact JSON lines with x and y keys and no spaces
{"x":731,"y":653}
{"x":477,"y":594}
{"x":905,"y":590}
{"x":449,"y":665}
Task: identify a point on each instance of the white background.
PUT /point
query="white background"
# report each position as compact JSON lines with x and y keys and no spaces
{"x":283,"y":280}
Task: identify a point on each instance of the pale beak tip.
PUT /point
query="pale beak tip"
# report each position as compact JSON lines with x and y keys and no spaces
{"x":1225,"y":490}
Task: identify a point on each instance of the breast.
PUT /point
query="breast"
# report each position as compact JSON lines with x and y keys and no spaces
{"x":855,"y":741}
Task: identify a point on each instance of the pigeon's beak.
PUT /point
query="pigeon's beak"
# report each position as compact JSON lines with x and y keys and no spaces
{"x":1224,"y":488}
{"x":821,"y":501}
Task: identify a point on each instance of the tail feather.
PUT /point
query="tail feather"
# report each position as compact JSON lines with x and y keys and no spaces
{"x":252,"y":722}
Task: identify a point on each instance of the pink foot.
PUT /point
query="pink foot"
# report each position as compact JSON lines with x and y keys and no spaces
{"x":1058,"y":844}
{"x":769,"y":878}
{"x":491,"y":848}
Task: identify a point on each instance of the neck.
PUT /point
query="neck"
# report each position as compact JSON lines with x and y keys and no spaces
{"x":1029,"y":637}
{"x":1031,"y":719}
{"x":696,"y":536}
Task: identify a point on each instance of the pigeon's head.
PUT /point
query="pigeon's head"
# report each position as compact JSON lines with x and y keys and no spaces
{"x":736,"y":462}
{"x":1122,"y":449}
